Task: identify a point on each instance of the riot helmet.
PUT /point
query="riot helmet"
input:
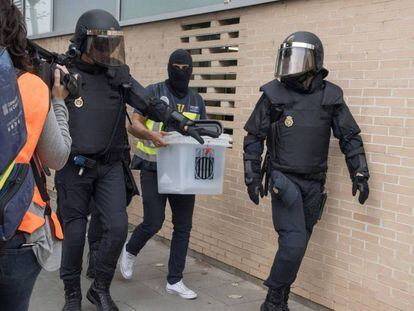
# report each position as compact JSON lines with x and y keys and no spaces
{"x":301,"y":53}
{"x":99,"y":35}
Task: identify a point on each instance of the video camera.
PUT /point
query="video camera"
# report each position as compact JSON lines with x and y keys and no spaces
{"x":45,"y":64}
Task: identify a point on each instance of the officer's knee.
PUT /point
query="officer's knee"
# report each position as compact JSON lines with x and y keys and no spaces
{"x":293,"y":253}
{"x":294,"y":248}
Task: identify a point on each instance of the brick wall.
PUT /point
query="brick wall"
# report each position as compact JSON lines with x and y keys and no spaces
{"x":359,"y":257}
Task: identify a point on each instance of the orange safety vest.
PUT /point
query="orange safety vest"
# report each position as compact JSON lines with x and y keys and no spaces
{"x":35,"y":100}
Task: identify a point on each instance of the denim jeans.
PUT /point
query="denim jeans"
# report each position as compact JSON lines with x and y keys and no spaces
{"x":182,"y":207}
{"x":19,"y":270}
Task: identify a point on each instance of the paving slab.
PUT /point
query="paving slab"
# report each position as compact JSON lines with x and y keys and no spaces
{"x":217,"y":290}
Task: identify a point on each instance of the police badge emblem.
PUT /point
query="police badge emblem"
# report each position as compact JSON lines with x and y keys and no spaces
{"x":289,"y":121}
{"x":79,"y":102}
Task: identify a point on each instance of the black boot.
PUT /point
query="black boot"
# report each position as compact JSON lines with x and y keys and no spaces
{"x":92,"y":258}
{"x":99,"y":295}
{"x":73,"y":295}
{"x":275,"y":300}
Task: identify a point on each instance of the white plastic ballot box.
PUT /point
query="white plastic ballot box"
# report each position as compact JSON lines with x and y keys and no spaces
{"x":187,"y":167}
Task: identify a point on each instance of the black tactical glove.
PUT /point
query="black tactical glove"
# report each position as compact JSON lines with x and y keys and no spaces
{"x":188,"y":127}
{"x":192,"y":129}
{"x":254,"y":189}
{"x":360,"y":183}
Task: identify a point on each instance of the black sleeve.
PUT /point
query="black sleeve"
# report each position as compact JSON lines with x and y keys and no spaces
{"x":258,"y":123}
{"x":257,"y":128}
{"x":347,"y":131}
{"x":151,"y":90}
{"x":146,"y":103}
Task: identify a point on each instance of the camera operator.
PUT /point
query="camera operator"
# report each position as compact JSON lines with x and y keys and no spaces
{"x":36,"y":244}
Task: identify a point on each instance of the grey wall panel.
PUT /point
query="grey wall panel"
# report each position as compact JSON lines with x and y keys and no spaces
{"x":67,"y":12}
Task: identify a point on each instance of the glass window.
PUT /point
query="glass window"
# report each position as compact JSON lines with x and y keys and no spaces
{"x":67,"y":12}
{"x":143,"y":8}
{"x":38,"y":16}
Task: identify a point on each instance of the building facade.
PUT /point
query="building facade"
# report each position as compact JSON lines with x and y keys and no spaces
{"x":359,"y":257}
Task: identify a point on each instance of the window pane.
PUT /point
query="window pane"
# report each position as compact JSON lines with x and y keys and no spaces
{"x":67,"y":12}
{"x":143,"y":8}
{"x":38,"y":16}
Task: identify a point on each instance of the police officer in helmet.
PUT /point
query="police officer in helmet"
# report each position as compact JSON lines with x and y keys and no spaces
{"x":295,"y":116}
{"x":96,"y":165}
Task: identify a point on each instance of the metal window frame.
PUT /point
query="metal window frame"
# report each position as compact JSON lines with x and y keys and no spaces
{"x":226,"y":5}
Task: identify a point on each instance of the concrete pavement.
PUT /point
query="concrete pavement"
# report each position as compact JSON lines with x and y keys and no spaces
{"x":217,"y":290}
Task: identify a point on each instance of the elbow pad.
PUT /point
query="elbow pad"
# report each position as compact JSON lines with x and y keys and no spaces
{"x":344,"y":124}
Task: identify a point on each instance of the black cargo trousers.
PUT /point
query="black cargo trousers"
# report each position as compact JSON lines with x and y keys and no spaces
{"x":294,"y":223}
{"x":106,"y":184}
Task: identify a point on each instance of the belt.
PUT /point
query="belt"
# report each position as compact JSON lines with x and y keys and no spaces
{"x":314,"y":176}
{"x":110,"y":157}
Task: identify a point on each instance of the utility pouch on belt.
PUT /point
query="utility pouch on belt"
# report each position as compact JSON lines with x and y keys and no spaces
{"x":83,"y":163}
{"x":323,"y":202}
{"x":283,"y":188}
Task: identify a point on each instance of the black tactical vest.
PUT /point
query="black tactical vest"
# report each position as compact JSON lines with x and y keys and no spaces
{"x":299,"y":139}
{"x":97,"y":115}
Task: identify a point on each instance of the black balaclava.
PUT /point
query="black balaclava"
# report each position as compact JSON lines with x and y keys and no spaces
{"x":178,"y":79}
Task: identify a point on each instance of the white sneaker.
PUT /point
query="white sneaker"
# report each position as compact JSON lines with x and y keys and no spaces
{"x":181,"y":290}
{"x":127,"y":264}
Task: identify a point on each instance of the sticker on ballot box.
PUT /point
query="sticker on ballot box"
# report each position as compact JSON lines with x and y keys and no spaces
{"x":204,"y":164}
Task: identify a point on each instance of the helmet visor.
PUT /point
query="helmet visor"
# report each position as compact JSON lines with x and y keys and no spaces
{"x":106,"y":47}
{"x":295,"y":58}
